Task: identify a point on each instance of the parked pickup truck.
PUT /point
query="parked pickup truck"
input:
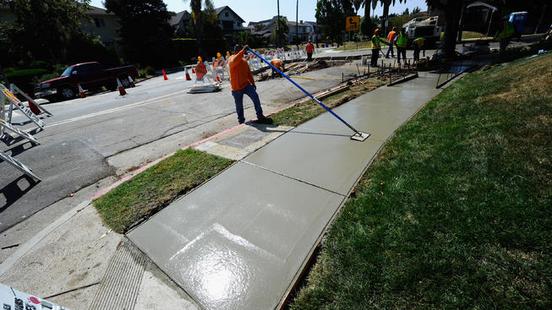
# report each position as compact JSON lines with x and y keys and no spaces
{"x":90,"y":76}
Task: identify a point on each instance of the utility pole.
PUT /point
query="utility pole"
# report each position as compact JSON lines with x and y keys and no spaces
{"x":278,"y":43}
{"x":297,"y":21}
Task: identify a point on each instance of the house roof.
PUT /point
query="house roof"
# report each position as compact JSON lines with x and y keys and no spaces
{"x":93,"y":10}
{"x":175,"y":20}
{"x":219,"y":10}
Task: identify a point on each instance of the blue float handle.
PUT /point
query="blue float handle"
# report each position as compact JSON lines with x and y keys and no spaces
{"x":304,"y":91}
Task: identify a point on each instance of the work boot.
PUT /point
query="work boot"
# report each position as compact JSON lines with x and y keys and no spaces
{"x":264,"y":120}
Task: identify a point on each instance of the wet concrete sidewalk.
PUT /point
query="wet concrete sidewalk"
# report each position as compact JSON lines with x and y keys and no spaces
{"x":240,"y":240}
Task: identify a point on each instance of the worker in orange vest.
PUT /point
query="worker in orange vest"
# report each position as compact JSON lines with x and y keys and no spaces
{"x":278,"y":63}
{"x":243,"y":83}
{"x":310,"y":50}
{"x":391,"y":38}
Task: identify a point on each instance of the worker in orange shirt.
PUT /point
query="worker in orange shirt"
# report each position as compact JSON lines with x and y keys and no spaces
{"x":310,"y":50}
{"x":278,"y":63}
{"x":242,"y":82}
{"x":391,"y":38}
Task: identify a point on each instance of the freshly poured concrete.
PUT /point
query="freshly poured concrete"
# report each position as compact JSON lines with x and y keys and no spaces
{"x":319,"y":152}
{"x":238,"y":241}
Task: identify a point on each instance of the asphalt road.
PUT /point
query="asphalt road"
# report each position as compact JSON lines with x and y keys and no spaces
{"x":92,"y":138}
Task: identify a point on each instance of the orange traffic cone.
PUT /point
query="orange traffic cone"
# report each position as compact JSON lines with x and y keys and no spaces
{"x":165,"y":77}
{"x":122,"y":90}
{"x":188,"y":77}
{"x":131,"y":81}
{"x":82,"y":93}
{"x":34,"y":107}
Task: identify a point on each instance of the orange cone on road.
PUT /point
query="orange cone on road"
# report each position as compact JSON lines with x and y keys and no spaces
{"x":34,"y":107}
{"x":82,"y":93}
{"x":188,"y":77}
{"x":165,"y":77}
{"x":131,"y":81}
{"x":121,"y":88}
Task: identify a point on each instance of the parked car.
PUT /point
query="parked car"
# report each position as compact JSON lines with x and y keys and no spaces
{"x":89,"y":75}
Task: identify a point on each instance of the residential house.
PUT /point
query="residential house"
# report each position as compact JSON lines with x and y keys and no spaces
{"x":102,"y":24}
{"x":180,"y":22}
{"x":229,"y":21}
{"x":99,"y":23}
{"x":302,"y":31}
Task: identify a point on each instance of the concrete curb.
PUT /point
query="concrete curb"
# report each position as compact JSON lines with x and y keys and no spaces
{"x":31,"y":243}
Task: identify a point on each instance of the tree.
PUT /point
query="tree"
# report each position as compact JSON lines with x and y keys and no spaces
{"x":145,"y":30}
{"x":59,"y":19}
{"x":386,"y":4}
{"x":330,"y":14}
{"x":367,"y":25}
{"x":280,"y":32}
{"x":196,"y":7}
{"x":406,"y":12}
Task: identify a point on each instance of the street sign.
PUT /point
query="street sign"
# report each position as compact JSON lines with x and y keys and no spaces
{"x":18,"y":165}
{"x":15,"y":102}
{"x":12,"y":299}
{"x":352,"y":23}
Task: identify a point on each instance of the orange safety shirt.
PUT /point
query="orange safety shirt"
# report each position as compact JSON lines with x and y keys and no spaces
{"x":391,"y":35}
{"x":278,"y":63}
{"x":240,"y":74}
{"x":310,"y":48}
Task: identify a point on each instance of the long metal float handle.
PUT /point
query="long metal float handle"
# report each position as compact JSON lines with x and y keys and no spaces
{"x":304,"y":91}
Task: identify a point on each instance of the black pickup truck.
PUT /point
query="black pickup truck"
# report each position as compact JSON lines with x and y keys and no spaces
{"x":90,"y":76}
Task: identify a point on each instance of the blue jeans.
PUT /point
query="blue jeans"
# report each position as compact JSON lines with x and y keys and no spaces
{"x":250,"y":91}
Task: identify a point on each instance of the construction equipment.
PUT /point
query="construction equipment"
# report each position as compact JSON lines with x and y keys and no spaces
{"x":357,"y":136}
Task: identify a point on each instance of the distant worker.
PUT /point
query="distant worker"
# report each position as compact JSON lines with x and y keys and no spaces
{"x":376,"y":47}
{"x":279,"y":64}
{"x":419,"y":45}
{"x":402,"y":44}
{"x":219,"y":66}
{"x":505,"y":34}
{"x":200,"y":69}
{"x":391,"y":38}
{"x":242,"y":82}
{"x":310,"y":50}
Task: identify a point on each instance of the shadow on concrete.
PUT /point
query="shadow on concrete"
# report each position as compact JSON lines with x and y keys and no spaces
{"x":15,"y":190}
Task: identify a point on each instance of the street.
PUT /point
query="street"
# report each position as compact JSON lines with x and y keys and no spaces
{"x":104,"y":135}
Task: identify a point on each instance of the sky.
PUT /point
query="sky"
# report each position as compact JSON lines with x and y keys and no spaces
{"x":255,"y":10}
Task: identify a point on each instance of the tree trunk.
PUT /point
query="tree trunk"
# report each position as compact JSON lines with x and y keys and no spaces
{"x":367,"y":18}
{"x":452,"y":16}
{"x":386,"y":5}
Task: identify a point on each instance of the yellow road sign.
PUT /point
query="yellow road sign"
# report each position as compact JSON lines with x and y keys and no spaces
{"x":352,"y":23}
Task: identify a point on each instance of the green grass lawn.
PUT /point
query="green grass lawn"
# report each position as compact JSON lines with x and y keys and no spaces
{"x":456,"y":212}
{"x":307,"y":110}
{"x":156,"y":187}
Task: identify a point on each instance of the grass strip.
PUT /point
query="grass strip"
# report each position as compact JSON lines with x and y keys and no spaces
{"x":456,"y":212}
{"x":156,"y":187}
{"x":304,"y":111}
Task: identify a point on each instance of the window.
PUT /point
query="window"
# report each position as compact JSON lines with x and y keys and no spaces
{"x":99,"y":22}
{"x":226,"y":14}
